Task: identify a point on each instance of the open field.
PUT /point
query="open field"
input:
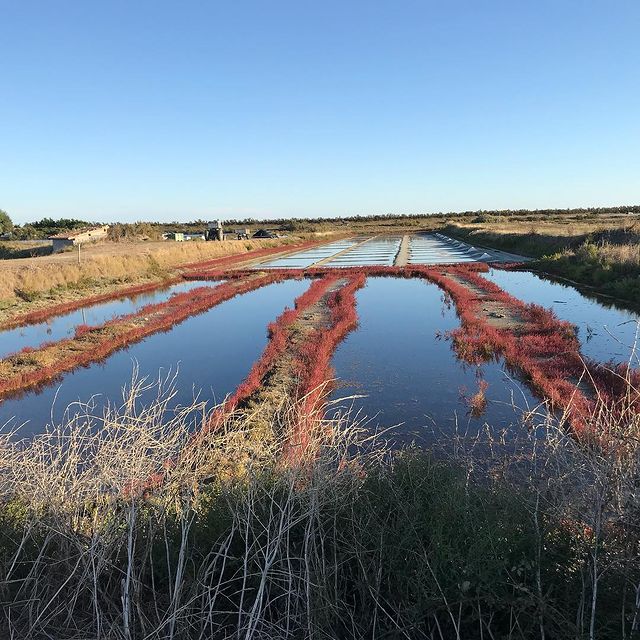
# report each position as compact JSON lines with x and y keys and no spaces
{"x":31,"y":283}
{"x":601,"y":253}
{"x":366,"y":437}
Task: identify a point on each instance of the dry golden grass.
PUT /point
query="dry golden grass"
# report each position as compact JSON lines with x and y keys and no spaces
{"x":108,"y":263}
{"x":626,"y":254}
{"x":569,"y":229}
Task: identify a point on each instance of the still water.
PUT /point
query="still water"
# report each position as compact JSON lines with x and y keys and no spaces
{"x":398,"y":359}
{"x":214,"y":352}
{"x":606,"y":332}
{"x":64,"y":326}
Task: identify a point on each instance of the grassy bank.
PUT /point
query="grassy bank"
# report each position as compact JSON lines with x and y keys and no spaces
{"x":537,"y":540}
{"x":605,"y":258}
{"x":26,"y":285}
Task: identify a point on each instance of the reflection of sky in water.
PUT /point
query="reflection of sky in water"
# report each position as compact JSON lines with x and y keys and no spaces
{"x":395,"y":358}
{"x":379,"y":251}
{"x":606,"y":332}
{"x":303,"y":259}
{"x":438,"y":249}
{"x":63,"y":326}
{"x":214,"y":350}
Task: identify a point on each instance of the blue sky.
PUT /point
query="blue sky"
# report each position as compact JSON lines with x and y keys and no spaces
{"x":179,"y":110}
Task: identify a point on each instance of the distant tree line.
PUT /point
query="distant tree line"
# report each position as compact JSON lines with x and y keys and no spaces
{"x":154,"y":230}
{"x":586,"y":211}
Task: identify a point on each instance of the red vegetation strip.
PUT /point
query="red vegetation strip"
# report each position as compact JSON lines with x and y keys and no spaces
{"x":40,"y":315}
{"x":544,"y":348}
{"x":279,"y":331}
{"x":412,"y":271}
{"x":313,"y":361}
{"x":157,"y":317}
{"x":315,"y":356}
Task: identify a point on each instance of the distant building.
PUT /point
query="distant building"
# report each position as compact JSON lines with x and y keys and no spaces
{"x":193,"y":236}
{"x":214,"y":231}
{"x":80,"y":236}
{"x":176,"y":236}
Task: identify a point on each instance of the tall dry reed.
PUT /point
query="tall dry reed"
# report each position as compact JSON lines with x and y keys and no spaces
{"x":495,"y":537}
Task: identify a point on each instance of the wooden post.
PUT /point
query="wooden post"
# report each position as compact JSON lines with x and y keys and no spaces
{"x":78,"y":253}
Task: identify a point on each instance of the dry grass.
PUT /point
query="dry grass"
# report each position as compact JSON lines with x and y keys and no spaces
{"x":528,"y":540}
{"x":609,"y":253}
{"x":109,"y":263}
{"x":567,"y":229}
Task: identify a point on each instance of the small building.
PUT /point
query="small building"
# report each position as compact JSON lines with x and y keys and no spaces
{"x":77,"y":237}
{"x":214,"y":231}
{"x":193,"y":236}
{"x":176,"y":236}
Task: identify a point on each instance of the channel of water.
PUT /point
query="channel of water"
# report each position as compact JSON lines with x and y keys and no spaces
{"x":214,"y":352}
{"x":411,"y":380}
{"x":606,"y":332}
{"x":64,"y":325}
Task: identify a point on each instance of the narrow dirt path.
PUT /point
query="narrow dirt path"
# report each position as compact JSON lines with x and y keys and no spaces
{"x":402,"y":259}
{"x":266,"y":409}
{"x":496,"y":313}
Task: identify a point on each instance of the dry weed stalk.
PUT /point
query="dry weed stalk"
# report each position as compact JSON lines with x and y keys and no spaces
{"x":96,"y":556}
{"x":536,"y":538}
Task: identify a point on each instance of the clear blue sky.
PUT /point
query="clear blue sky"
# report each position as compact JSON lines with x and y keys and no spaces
{"x":177,"y":110}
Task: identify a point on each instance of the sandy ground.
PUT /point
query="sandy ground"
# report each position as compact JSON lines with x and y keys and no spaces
{"x":495,"y":313}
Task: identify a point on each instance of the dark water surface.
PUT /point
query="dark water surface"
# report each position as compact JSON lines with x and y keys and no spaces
{"x":409,"y":374}
{"x":214,"y":351}
{"x":606,"y":332}
{"x":63,"y":326}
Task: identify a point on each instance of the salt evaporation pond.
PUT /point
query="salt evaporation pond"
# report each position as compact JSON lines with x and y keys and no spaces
{"x":64,"y":326}
{"x":409,"y":374}
{"x":214,"y":351}
{"x":606,"y":332}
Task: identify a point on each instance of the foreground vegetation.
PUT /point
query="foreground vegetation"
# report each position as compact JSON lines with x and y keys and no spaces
{"x":100,"y":537}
